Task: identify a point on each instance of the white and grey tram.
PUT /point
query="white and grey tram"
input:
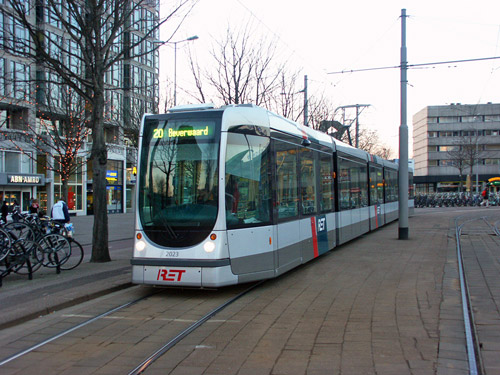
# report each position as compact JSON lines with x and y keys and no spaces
{"x":236,"y":194}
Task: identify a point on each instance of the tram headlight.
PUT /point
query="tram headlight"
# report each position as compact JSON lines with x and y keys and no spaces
{"x":140,"y":245}
{"x":209,"y":246}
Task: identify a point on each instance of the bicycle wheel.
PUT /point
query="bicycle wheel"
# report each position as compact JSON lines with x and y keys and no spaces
{"x":5,"y":244}
{"x":15,"y":259}
{"x":56,"y":249}
{"x":20,"y":231}
{"x":32,"y":253}
{"x":75,"y":257}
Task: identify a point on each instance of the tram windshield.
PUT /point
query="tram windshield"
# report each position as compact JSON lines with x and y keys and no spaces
{"x":178,"y":178}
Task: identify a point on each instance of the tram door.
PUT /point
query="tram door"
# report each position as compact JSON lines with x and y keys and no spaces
{"x":287,"y":206}
{"x":247,"y":203}
{"x":376,"y":186}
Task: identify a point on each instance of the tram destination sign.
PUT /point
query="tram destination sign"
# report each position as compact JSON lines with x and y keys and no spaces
{"x":181,"y":129}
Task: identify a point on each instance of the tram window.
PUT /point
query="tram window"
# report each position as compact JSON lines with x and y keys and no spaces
{"x":308,"y":181}
{"x":326,"y":172}
{"x":353,"y":184}
{"x":248,"y":195}
{"x":286,"y":180}
{"x":391,"y":185}
{"x":376,"y":186}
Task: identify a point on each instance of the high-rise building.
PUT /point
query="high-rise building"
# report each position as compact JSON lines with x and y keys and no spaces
{"x":32,"y":97}
{"x":456,"y":145}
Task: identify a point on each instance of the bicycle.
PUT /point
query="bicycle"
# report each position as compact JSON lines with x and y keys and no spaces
{"x":76,"y":254}
{"x":56,"y":249}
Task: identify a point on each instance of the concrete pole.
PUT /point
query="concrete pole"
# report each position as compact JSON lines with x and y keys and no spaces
{"x":357,"y":125}
{"x":175,"y":73}
{"x":306,"y":113}
{"x":403,"y":139}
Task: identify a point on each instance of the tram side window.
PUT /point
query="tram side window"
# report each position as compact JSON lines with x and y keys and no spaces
{"x":248,"y":195}
{"x":363,"y":184}
{"x":326,"y":173}
{"x":286,"y":180}
{"x":308,"y":181}
{"x":353,"y":185}
{"x":376,"y":186}
{"x":391,"y":185}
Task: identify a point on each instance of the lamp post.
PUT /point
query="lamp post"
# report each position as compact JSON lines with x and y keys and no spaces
{"x":194,"y":37}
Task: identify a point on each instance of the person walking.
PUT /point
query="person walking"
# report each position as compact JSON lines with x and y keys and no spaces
{"x":60,"y":212}
{"x":486,"y":194}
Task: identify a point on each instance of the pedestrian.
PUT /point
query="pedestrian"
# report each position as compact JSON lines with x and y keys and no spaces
{"x":486,"y":194}
{"x":34,"y":207}
{"x":60,"y":212}
{"x":5,"y":211}
{"x":16,"y":211}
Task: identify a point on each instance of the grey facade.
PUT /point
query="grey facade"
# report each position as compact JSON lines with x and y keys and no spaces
{"x":25,"y":87}
{"x":447,"y":140}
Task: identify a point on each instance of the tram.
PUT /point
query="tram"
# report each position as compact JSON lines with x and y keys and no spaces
{"x":236,"y":194}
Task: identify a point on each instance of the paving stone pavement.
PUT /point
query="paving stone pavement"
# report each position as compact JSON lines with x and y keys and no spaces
{"x":377,"y":305}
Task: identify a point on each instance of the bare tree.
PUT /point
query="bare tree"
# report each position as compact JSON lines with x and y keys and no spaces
{"x":96,"y":35}
{"x":244,"y":71}
{"x":464,"y":152}
{"x":60,"y":136}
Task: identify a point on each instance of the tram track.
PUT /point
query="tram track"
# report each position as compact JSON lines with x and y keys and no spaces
{"x":472,"y":227}
{"x":176,"y":324}
{"x":171,"y":343}
{"x":72,"y":329}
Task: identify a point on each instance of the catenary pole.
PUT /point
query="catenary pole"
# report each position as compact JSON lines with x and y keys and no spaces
{"x":306,"y":104}
{"x":403,"y":139}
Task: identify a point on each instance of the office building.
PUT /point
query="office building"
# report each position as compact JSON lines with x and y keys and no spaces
{"x":449,"y":139}
{"x":25,"y":90}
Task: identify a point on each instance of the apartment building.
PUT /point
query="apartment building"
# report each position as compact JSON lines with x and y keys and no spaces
{"x":131,"y":90}
{"x":456,"y":145}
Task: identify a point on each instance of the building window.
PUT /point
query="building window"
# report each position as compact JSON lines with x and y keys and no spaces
{"x":492,"y":147}
{"x":492,"y":132}
{"x":470,"y":133}
{"x":448,"y":134}
{"x":15,"y":162}
{"x":471,"y":118}
{"x":2,"y":75}
{"x":446,"y":163}
{"x":448,"y":119}
{"x":490,"y":118}
{"x":433,"y":134}
{"x":20,"y":80}
{"x":449,"y":148}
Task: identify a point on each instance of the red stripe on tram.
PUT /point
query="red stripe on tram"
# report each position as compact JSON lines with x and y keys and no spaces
{"x":314,"y":236}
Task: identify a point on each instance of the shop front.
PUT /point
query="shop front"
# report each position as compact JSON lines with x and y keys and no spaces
{"x":114,"y":188}
{"x":20,"y":188}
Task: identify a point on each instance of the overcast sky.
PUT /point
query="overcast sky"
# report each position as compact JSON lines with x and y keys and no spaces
{"x":329,"y":36}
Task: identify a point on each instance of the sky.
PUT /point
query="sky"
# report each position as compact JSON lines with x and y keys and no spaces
{"x":325,"y":37}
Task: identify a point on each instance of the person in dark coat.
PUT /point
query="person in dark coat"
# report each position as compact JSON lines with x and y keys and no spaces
{"x":5,"y":211}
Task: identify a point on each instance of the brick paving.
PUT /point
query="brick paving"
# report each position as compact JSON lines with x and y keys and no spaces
{"x":376,"y":305}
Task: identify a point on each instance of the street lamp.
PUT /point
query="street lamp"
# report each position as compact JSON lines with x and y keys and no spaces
{"x":194,"y":37}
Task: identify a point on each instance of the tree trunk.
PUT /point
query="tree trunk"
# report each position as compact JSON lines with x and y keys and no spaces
{"x":99,"y":156}
{"x":64,"y":189}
